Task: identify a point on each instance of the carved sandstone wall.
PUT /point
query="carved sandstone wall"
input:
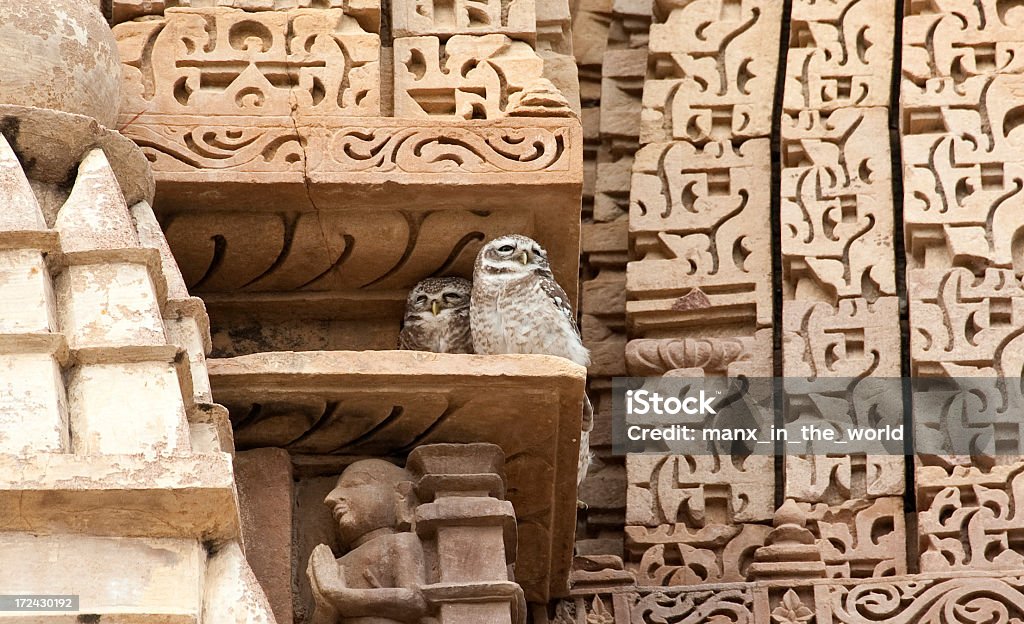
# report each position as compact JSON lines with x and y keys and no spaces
{"x":886,"y":223}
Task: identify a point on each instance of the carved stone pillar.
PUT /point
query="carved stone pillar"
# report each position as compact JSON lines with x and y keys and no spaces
{"x":463,"y":513}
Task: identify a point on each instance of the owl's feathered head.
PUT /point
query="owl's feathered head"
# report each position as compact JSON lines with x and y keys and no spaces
{"x":512,"y":255}
{"x":438,"y":296}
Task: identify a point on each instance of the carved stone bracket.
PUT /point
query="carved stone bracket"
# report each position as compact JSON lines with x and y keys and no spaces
{"x":346,"y":404}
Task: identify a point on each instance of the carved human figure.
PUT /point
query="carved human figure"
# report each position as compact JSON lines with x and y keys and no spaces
{"x":378,"y":580}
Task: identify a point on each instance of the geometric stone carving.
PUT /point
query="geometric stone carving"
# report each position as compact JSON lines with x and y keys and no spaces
{"x":673,"y":555}
{"x":472,"y":77}
{"x":837,"y":205}
{"x":515,"y":18}
{"x":840,"y":55}
{"x":688,"y":518}
{"x":970,"y":519}
{"x":221,"y":61}
{"x":860,"y":538}
{"x":317,"y":403}
{"x":697,"y":491}
{"x":696,"y":216}
{"x":714,"y":68}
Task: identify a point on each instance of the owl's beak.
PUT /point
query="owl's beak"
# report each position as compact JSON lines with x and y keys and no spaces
{"x":435,"y":307}
{"x":525,"y":258}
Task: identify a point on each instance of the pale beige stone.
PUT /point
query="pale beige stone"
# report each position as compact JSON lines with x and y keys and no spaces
{"x":718,"y":62}
{"x":152,"y":579}
{"x":127,"y":408}
{"x":185,"y":496}
{"x":109,"y":305}
{"x":231,"y":592}
{"x":22,"y":210}
{"x":28,"y":304}
{"x":95,"y":215}
{"x":74,"y":60}
{"x":682,"y":198}
{"x":33,"y":408}
{"x":837,"y":205}
{"x":840,"y":55}
{"x":54,"y":142}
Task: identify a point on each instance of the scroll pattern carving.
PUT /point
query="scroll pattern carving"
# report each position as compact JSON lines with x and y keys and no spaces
{"x":840,"y":314}
{"x":381,"y":147}
{"x":962,"y":223}
{"x":921,"y":600}
{"x":699,"y":283}
{"x":230,"y":62}
{"x":473,"y":77}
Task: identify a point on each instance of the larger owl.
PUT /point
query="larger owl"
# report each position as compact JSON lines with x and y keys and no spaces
{"x":518,"y":307}
{"x":437,"y":317}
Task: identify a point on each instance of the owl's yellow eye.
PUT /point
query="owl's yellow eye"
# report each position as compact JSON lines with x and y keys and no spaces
{"x":506,"y":248}
{"x":421,"y":300}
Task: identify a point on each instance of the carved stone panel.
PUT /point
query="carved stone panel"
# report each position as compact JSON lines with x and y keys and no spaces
{"x":220,"y":61}
{"x":473,"y":77}
{"x":516,"y":18}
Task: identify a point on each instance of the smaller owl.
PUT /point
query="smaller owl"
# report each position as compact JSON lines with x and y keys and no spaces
{"x":437,"y":317}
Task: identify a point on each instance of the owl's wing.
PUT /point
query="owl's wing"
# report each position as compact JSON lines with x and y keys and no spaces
{"x":558,"y":297}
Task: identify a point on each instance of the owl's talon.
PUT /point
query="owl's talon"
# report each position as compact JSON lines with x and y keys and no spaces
{"x":581,"y":505}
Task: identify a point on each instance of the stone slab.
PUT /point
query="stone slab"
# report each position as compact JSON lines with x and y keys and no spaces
{"x":119,"y":495}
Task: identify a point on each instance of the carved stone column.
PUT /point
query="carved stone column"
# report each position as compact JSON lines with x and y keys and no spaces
{"x":463,"y":513}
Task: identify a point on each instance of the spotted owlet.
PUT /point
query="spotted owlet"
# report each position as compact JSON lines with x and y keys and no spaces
{"x":518,"y":307}
{"x":437,"y":317}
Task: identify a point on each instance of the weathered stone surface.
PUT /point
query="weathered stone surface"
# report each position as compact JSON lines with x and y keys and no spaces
{"x":264,"y":480}
{"x":156,"y":579}
{"x":516,"y":18}
{"x":231,"y":592}
{"x":185,"y":496}
{"x":466,"y":77}
{"x":74,"y":65}
{"x":449,"y":398}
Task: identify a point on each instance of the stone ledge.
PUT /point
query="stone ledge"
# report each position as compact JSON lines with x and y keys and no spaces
{"x":384,"y":403}
{"x":119,"y":495}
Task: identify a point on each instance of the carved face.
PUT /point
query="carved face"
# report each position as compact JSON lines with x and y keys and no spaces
{"x":512,"y":256}
{"x":367,"y":497}
{"x":438,"y":296}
